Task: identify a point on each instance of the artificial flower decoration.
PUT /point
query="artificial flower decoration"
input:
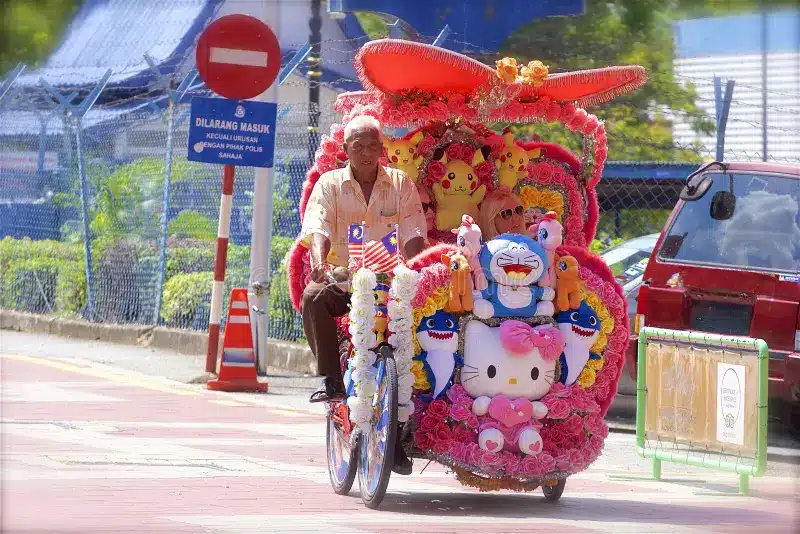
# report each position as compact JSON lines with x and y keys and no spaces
{"x":507,"y":69}
{"x":534,"y":73}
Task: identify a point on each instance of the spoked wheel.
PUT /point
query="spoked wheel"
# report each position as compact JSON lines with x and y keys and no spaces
{"x":553,"y":493}
{"x":342,"y":448}
{"x":378,"y":441}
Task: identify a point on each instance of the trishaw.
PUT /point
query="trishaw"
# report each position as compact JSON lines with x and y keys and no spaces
{"x":501,"y":353}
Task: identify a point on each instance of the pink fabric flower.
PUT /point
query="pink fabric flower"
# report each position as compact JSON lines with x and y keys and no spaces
{"x":467,"y":152}
{"x":423,"y":439}
{"x":546,"y":461}
{"x":429,"y":423}
{"x":463,"y":434}
{"x":562,"y":461}
{"x":484,"y":170}
{"x":453,"y":151}
{"x":330,"y":146}
{"x":553,"y":112}
{"x":439,"y":410}
{"x":544,"y":173}
{"x":531,"y":466}
{"x":472,"y":421}
{"x":436,"y":170}
{"x":596,"y":443}
{"x":591,"y":125}
{"x":559,"y":390}
{"x":438,"y":110}
{"x":460,"y":412}
{"x":456,"y":393}
{"x":573,"y":425}
{"x":426,"y":145}
{"x":557,"y":408}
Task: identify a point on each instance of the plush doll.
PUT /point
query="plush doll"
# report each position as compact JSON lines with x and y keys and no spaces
{"x":469,"y":241}
{"x":458,"y":192}
{"x":581,"y":328}
{"x":438,"y":336}
{"x":550,"y":234}
{"x":512,"y":165}
{"x":460,"y":299}
{"x":568,"y":287}
{"x":513,"y":264}
{"x":402,"y":154}
{"x":507,"y":369}
{"x":381,"y":313}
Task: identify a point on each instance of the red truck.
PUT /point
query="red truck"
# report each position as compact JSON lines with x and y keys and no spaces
{"x":728,"y":262}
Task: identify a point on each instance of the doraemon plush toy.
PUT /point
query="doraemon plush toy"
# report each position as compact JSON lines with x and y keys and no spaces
{"x":513,"y":263}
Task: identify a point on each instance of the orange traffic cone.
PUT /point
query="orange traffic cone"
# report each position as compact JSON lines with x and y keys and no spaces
{"x":237,"y":368}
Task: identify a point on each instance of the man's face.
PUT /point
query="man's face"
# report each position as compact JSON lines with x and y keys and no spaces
{"x":363,"y":149}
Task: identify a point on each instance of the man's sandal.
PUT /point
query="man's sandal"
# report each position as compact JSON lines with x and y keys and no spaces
{"x":326,"y":393}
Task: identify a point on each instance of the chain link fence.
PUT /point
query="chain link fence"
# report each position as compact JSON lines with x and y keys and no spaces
{"x":62,"y":175}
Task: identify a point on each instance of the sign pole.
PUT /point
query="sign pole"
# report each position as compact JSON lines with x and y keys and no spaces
{"x":261,"y":236}
{"x":220,"y":261}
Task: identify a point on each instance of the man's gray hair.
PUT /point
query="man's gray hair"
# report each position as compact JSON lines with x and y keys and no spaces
{"x":361,"y":123}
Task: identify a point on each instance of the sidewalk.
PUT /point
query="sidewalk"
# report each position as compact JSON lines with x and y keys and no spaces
{"x":292,"y":389}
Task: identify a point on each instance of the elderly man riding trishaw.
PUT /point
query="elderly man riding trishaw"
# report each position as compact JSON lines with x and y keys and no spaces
{"x":444,"y":278}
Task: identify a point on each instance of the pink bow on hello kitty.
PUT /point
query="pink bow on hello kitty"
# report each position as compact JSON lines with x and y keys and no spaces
{"x":519,"y":338}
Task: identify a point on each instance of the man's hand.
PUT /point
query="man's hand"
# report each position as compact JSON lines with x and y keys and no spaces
{"x":319,"y":273}
{"x":320,"y":246}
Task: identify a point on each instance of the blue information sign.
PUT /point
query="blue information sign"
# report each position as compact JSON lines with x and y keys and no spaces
{"x":232,"y":132}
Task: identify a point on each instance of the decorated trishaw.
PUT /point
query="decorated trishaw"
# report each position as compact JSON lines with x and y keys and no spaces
{"x":494,"y":355}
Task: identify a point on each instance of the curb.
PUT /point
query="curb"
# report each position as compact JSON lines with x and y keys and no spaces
{"x":282,"y":354}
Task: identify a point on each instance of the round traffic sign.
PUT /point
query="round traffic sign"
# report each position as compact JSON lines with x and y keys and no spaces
{"x":238,"y":56}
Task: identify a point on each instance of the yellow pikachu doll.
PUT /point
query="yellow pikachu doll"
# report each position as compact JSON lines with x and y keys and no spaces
{"x":402,"y":154}
{"x":512,"y":164}
{"x":458,"y":192}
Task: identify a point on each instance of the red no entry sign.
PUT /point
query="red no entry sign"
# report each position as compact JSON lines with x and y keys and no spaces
{"x":238,"y":56}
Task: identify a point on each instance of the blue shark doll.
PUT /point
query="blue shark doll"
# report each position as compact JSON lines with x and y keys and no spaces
{"x":581,"y":328}
{"x":513,"y":264}
{"x":438,"y":336}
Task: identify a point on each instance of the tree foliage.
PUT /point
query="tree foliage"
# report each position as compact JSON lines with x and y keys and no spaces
{"x":31,"y":29}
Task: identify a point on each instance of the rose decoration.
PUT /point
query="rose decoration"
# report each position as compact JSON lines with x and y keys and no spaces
{"x":507,"y":69}
{"x":534,"y":73}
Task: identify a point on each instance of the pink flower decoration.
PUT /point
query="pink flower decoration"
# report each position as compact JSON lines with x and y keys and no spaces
{"x":472,"y":421}
{"x":596,"y":443}
{"x":460,"y":412}
{"x":383,"y":160}
{"x":467,"y":152}
{"x":531,"y":466}
{"x":484,"y":170}
{"x":544,"y":173}
{"x":438,"y":110}
{"x":426,"y":145}
{"x":438,"y":410}
{"x":562,"y":461}
{"x":553,"y":112}
{"x":519,"y":339}
{"x":591,"y":125}
{"x":429,"y":423}
{"x":436,"y":170}
{"x":338,"y":135}
{"x":463,"y":434}
{"x":423,"y":439}
{"x":329,"y":146}
{"x":453,"y":152}
{"x":559,"y":390}
{"x":557,"y":408}
{"x":546,"y":461}
{"x":574,"y":425}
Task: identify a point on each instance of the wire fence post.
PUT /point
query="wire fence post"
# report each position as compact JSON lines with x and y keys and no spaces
{"x":174,"y":97}
{"x":723,"y":107}
{"x":9,"y":81}
{"x":76,"y":114}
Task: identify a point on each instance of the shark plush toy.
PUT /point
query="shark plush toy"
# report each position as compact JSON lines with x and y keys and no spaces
{"x":438,"y":336}
{"x":581,"y":328}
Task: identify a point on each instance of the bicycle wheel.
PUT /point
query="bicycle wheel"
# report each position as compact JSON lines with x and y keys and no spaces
{"x":377,"y":443}
{"x":342,"y":450}
{"x":553,"y":493}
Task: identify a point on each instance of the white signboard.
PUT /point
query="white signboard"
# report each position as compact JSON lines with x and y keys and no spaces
{"x":730,"y":403}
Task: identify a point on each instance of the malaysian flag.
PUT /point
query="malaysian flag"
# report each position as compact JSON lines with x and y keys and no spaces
{"x":381,"y":256}
{"x":355,"y":241}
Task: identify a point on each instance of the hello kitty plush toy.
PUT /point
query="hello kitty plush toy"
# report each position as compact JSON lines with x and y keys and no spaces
{"x":507,"y":369}
{"x":549,"y":233}
{"x":513,"y":264}
{"x":469,"y":240}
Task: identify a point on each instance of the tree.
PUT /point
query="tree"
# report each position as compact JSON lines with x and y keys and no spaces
{"x":30,"y":29}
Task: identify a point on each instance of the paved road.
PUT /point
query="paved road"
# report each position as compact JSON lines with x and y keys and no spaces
{"x":88,"y":447}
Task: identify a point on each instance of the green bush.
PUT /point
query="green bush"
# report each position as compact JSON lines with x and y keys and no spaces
{"x":33,"y":284}
{"x":183,"y":295}
{"x":192,"y":224}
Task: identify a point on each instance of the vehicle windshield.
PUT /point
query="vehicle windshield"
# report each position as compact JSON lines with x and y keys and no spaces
{"x":627,"y":262}
{"x":763,"y":232}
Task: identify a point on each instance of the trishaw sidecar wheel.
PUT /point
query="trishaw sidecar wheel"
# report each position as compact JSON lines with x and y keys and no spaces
{"x":553,"y":493}
{"x":342,"y":457}
{"x":377,"y":444}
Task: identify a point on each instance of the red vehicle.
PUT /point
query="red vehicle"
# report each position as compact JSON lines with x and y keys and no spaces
{"x":728,"y":262}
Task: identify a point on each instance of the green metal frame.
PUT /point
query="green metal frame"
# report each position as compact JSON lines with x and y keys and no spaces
{"x":683,"y":457}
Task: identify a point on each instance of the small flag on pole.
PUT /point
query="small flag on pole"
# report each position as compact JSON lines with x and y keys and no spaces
{"x":355,"y":240}
{"x":382,"y":256}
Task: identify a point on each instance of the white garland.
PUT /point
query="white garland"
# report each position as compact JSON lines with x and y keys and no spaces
{"x":362,"y":335}
{"x":404,"y":287}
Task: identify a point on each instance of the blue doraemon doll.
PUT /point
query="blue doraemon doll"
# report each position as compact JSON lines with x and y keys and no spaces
{"x":513,"y":263}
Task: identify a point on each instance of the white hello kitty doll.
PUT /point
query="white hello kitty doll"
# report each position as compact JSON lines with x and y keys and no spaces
{"x":507,"y":369}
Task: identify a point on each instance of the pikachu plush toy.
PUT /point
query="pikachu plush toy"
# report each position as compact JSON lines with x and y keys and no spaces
{"x":512,"y":165}
{"x":458,"y":192}
{"x":402,"y":154}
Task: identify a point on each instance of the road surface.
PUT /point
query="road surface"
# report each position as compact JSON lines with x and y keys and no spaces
{"x":88,"y":447}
